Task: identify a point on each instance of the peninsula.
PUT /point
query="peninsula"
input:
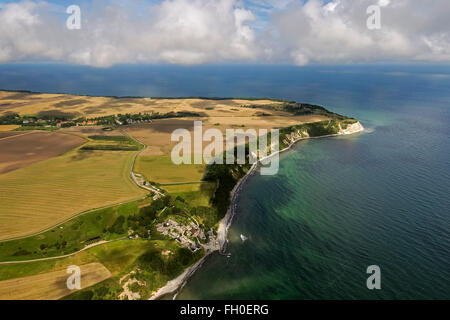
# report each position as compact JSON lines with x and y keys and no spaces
{"x":89,"y":181}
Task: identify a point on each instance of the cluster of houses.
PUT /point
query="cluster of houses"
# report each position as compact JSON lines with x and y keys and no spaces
{"x":185,"y":235}
{"x":60,"y":123}
{"x":131,"y":121}
{"x":71,"y":123}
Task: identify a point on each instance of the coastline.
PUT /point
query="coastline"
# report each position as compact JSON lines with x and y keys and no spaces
{"x":179,"y":282}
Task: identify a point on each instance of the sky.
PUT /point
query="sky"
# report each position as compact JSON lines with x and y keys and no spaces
{"x":191,"y":32}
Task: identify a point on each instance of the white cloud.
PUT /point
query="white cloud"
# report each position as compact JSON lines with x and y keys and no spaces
{"x":384,"y":3}
{"x":174,"y":31}
{"x":331,"y":6}
{"x":336,"y":32}
{"x":208,"y":31}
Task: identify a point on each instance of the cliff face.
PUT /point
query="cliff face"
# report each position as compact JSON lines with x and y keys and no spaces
{"x":352,"y":128}
{"x":318,"y":129}
{"x":290,"y":138}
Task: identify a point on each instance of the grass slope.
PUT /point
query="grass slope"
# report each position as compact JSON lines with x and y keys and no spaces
{"x":162,"y":170}
{"x":71,"y":236}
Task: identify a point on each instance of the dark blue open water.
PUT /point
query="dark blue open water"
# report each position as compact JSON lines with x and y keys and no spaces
{"x":337,"y":205}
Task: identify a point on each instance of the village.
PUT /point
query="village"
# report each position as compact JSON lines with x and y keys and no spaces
{"x":60,"y":120}
{"x":190,"y":236}
{"x":60,"y":123}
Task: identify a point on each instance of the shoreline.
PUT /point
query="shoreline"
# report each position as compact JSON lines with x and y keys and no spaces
{"x":175,"y":285}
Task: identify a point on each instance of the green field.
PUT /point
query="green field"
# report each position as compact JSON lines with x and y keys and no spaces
{"x":154,"y":261}
{"x":162,"y":170}
{"x":146,"y":258}
{"x":197,"y":194}
{"x":44,"y":194}
{"x":12,"y":271}
{"x":71,"y":236}
{"x":117,"y":256}
{"x":112,"y":143}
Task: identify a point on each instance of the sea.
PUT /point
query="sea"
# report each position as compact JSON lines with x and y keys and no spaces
{"x":337,"y":205}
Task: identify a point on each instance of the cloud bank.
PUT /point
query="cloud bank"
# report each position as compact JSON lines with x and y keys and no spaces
{"x":222,"y":31}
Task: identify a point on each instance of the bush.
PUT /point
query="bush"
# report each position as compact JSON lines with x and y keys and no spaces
{"x":85,"y":295}
{"x":117,"y":226}
{"x":21,"y":252}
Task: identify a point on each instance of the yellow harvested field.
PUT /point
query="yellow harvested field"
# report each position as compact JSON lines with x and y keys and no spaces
{"x":44,"y":194}
{"x":51,"y":285}
{"x":254,"y":122}
{"x":155,"y":162}
{"x":34,"y":103}
{"x":8,"y":127}
{"x":157,"y":135}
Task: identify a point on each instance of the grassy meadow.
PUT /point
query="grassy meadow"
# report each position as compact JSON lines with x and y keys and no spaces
{"x":162,"y":170}
{"x":111,"y":260}
{"x":71,"y":236}
{"x":111,"y":143}
{"x":116,"y":256}
{"x":152,"y":262}
{"x":197,"y":194}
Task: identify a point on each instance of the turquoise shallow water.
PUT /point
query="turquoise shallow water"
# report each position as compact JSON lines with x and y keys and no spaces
{"x":337,"y":205}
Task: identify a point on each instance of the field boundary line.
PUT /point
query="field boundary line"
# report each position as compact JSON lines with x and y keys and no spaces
{"x":180,"y":183}
{"x":17,"y":135}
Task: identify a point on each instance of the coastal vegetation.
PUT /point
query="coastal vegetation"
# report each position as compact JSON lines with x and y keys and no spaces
{"x":154,"y":263}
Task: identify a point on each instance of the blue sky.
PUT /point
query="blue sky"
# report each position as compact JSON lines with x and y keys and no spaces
{"x":298,"y":32}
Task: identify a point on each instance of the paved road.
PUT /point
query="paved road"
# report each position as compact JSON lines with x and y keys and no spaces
{"x":136,"y":180}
